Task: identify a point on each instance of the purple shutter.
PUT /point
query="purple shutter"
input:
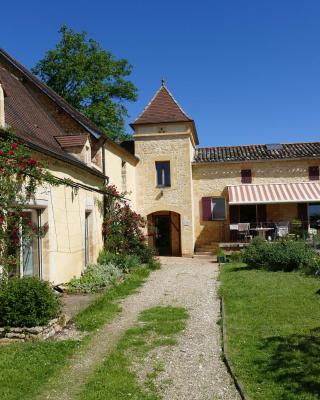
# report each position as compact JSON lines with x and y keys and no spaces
{"x":314,"y":173}
{"x":246,"y":176}
{"x":206,"y":209}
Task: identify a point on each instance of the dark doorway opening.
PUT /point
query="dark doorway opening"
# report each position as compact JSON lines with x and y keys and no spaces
{"x":164,"y":233}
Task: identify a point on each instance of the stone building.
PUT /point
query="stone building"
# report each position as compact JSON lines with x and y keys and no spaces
{"x":195,"y":198}
{"x":73,"y":147}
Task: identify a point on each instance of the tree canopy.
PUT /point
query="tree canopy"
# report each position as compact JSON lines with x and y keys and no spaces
{"x":89,"y":78}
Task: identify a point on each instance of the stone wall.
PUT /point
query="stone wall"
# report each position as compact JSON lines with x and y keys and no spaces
{"x":174,"y":146}
{"x":64,"y":209}
{"x":8,"y":335}
{"x":212,"y":180}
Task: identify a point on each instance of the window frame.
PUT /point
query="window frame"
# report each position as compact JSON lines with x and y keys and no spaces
{"x":212,"y":198}
{"x":163,"y":174}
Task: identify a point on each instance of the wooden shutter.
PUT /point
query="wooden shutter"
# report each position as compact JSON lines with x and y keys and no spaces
{"x":314,"y":173}
{"x":206,"y":209}
{"x":246,"y":176}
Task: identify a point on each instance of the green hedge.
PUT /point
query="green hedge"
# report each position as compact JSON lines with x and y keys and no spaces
{"x":27,"y":302}
{"x":282,"y":255}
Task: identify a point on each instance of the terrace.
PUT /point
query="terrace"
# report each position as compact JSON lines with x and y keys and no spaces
{"x":271,"y":211}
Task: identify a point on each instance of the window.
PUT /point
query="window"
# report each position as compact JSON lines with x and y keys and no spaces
{"x":124,"y":175}
{"x":213,"y":208}
{"x":246,"y":176}
{"x":163,"y":173}
{"x":30,"y":255}
{"x":314,"y":173}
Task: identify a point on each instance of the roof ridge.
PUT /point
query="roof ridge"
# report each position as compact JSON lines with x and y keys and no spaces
{"x":84,"y":121}
{"x":174,"y":99}
{"x":148,"y":105}
{"x":251,"y":145}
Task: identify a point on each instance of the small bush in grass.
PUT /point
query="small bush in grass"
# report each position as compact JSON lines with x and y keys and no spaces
{"x":96,"y":278}
{"x":125,"y":262}
{"x":235,"y":257}
{"x":283,"y":255}
{"x":145,"y":253}
{"x":27,"y":302}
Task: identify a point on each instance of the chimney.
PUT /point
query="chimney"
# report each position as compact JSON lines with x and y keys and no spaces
{"x":2,"y":120}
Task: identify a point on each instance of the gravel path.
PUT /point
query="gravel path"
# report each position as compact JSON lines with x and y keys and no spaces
{"x":193,"y":366}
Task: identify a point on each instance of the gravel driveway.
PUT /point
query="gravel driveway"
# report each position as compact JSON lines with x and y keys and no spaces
{"x":193,"y":367}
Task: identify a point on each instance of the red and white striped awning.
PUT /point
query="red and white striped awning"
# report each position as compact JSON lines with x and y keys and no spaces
{"x":275,"y":193}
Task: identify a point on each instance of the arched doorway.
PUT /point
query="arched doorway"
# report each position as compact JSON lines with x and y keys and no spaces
{"x":164,"y":233}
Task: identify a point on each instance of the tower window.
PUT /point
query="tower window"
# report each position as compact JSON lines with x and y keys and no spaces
{"x":163,"y":173}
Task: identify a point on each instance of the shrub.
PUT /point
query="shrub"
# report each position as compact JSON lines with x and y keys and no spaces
{"x":96,"y":278}
{"x":145,"y":253}
{"x":27,"y":302}
{"x":235,"y":257}
{"x":284,"y":255}
{"x":125,"y":262}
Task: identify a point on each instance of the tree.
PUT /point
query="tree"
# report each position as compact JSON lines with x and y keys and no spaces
{"x":89,"y":78}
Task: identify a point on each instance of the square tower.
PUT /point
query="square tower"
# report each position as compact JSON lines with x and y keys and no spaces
{"x":165,"y":138}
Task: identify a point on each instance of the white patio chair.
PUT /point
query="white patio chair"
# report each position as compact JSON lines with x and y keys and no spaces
{"x":282,"y":228}
{"x":244,"y":230}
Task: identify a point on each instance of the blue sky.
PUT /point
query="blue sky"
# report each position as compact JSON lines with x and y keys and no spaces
{"x":246,"y":71}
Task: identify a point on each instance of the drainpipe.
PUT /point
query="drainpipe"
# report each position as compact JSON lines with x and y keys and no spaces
{"x":106,"y":181}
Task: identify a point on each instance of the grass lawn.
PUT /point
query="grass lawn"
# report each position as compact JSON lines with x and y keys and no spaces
{"x":105,"y":308}
{"x":273,"y":328}
{"x":27,"y":368}
{"x":116,"y":378}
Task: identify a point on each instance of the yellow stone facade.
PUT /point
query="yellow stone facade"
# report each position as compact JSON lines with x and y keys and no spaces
{"x":175,"y":145}
{"x":64,"y":209}
{"x":212,"y":179}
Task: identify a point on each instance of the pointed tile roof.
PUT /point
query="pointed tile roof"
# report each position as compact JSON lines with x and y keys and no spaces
{"x":162,"y":108}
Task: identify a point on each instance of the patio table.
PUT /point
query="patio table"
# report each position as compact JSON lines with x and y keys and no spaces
{"x":261,"y":231}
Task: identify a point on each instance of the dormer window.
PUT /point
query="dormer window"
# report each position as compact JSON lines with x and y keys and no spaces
{"x":163,"y":173}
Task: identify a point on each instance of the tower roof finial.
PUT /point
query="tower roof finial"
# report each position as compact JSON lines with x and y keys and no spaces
{"x":163,"y":82}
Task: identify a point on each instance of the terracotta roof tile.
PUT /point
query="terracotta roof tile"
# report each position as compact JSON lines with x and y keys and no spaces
{"x":31,"y":119}
{"x":71,"y":140}
{"x":257,"y":152}
{"x":162,"y":108}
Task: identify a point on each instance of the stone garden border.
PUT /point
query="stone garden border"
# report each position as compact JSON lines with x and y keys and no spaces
{"x":9,"y":334}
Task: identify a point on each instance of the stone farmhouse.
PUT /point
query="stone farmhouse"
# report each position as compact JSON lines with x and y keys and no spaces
{"x":195,"y":199}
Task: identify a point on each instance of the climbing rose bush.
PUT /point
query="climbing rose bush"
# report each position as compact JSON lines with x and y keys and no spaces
{"x":20,"y":174}
{"x":123,"y":227}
